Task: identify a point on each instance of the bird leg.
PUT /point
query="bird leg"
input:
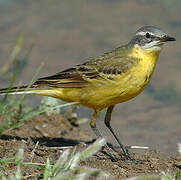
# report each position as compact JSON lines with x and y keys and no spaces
{"x":107,"y":123}
{"x":98,"y":134}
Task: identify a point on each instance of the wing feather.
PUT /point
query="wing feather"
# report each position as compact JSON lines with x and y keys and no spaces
{"x":106,"y":66}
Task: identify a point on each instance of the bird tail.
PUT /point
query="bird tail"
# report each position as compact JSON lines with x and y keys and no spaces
{"x":17,"y":90}
{"x":32,"y":90}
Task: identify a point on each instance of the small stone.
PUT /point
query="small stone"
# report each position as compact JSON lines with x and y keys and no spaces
{"x":115,"y":166}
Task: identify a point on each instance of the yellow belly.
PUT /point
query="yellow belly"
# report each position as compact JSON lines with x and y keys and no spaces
{"x":100,"y":94}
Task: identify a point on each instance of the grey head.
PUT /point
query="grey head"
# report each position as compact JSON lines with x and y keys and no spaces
{"x":150,"y":38}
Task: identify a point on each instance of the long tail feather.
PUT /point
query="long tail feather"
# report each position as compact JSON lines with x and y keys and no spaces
{"x":17,"y":90}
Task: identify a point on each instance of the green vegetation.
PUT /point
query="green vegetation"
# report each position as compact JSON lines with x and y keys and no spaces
{"x":15,"y":65}
{"x":66,"y":167}
{"x":14,"y":110}
{"x":14,"y":113}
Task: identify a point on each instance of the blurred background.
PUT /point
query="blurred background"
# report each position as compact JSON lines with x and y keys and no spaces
{"x":63,"y":33}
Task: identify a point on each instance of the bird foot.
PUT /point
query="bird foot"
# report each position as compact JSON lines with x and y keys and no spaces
{"x":124,"y":154}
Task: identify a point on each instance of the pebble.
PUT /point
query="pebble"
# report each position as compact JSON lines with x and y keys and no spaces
{"x":115,"y":166}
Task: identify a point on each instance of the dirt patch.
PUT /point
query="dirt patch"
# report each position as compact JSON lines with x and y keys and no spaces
{"x":50,"y":134}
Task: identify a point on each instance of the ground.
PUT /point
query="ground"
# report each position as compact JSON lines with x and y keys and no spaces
{"x":46,"y":136}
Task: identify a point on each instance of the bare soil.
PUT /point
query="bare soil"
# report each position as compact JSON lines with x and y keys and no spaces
{"x":53,"y":132}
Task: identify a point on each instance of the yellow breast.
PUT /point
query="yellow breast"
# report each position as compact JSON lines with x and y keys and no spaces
{"x":144,"y":70}
{"x":137,"y":78}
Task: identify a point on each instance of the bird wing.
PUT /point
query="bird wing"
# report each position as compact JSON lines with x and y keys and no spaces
{"x":106,"y":66}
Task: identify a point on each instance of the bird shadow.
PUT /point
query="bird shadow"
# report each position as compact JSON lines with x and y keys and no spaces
{"x":48,"y":141}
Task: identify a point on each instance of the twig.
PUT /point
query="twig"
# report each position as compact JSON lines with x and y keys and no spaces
{"x":33,"y":151}
{"x":137,"y":147}
{"x":37,"y":128}
{"x":63,"y":147}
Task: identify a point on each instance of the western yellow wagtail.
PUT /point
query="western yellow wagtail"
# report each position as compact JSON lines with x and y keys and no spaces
{"x":115,"y":77}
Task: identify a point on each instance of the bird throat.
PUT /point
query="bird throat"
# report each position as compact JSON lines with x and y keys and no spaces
{"x":146,"y":64}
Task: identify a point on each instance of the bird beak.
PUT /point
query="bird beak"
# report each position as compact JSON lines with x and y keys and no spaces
{"x":167,"y":38}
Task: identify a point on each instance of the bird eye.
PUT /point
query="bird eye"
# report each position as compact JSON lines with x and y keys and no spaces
{"x":148,"y":35}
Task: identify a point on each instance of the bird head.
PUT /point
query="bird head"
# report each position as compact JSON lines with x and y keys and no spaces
{"x":150,"y":38}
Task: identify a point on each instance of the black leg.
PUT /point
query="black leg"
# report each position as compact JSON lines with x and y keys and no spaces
{"x":107,"y":123}
{"x":98,"y":134}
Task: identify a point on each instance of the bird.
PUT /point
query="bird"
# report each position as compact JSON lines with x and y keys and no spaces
{"x":104,"y":81}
